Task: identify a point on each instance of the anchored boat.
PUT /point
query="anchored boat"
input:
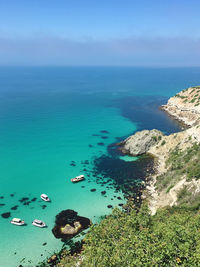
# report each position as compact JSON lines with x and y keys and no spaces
{"x":78,"y":179}
{"x":45,"y":197}
{"x":17,"y":221}
{"x":39,"y":223}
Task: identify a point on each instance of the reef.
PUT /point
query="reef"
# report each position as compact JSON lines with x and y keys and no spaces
{"x":68,"y":224}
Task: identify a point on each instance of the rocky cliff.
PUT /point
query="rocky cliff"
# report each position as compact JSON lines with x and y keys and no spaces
{"x":185,"y":107}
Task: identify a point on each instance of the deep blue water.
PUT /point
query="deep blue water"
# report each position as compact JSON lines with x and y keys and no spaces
{"x":56,"y":123}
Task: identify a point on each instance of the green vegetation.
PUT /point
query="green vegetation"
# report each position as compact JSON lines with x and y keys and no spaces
{"x":169,"y":188}
{"x":159,"y":137}
{"x":170,"y":238}
{"x":196,"y":87}
{"x":163,"y":143}
{"x":182,"y":164}
{"x":193,"y":100}
{"x":180,"y":96}
{"x":154,"y":138}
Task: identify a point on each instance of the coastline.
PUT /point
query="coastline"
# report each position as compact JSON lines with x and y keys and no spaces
{"x":188,"y":114}
{"x":160,"y":152}
{"x":137,"y":200}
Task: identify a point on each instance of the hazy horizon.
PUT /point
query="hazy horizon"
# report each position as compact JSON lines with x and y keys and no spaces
{"x":106,"y":33}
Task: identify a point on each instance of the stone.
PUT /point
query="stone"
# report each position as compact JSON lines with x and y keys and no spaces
{"x":140,"y":142}
{"x":93,"y":190}
{"x":52,"y":259}
{"x":6,"y":215}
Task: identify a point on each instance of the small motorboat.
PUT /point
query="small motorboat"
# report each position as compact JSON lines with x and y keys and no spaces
{"x":45,"y":197}
{"x":17,"y":221}
{"x":39,"y":223}
{"x":78,"y":178}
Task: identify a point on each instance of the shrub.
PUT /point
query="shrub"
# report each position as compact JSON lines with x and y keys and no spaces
{"x":154,"y":138}
{"x":193,"y":100}
{"x":169,"y":188}
{"x":163,"y":143}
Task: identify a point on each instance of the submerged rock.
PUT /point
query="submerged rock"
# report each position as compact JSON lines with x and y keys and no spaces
{"x":93,"y":190}
{"x":6,"y":215}
{"x":68,"y":224}
{"x":140,"y":142}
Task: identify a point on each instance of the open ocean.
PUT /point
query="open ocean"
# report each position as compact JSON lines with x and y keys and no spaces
{"x":57,"y":123}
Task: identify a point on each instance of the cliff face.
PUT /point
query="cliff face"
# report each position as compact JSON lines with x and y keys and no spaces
{"x":184,"y":107}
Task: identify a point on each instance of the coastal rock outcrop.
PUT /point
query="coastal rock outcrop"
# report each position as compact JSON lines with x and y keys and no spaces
{"x":140,"y":142}
{"x":185,"y":106}
{"x":68,"y":224}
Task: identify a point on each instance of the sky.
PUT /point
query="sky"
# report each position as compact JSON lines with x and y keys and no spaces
{"x":100,"y":33}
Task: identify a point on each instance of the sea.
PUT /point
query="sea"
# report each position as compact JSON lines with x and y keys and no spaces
{"x":60,"y":122}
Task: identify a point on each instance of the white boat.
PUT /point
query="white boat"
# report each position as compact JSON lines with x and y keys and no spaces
{"x":39,"y":223}
{"x":45,"y":197}
{"x":17,"y":221}
{"x":77,"y":178}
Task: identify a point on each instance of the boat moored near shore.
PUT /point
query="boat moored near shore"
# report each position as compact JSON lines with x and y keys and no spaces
{"x":17,"y":221}
{"x":45,"y":197}
{"x":39,"y":223}
{"x":78,"y":178}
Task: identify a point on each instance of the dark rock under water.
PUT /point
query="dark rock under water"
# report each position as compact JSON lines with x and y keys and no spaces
{"x":124,"y":175}
{"x":6,"y":215}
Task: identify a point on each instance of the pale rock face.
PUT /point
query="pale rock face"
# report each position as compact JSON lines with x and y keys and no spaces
{"x":185,"y":106}
{"x":140,"y":142}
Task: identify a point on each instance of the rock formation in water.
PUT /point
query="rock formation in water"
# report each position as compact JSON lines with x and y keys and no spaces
{"x":68,"y":224}
{"x":140,"y":142}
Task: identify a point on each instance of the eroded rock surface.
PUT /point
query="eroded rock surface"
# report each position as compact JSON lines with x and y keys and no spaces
{"x":140,"y":142}
{"x":185,"y":106}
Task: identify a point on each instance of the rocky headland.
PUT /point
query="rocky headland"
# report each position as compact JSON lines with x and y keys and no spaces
{"x":185,"y":107}
{"x":140,"y":142}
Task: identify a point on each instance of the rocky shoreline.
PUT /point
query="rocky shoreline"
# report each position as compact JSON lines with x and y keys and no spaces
{"x":184,"y":107}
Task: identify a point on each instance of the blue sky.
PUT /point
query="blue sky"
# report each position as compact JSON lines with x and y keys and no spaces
{"x":100,"y":32}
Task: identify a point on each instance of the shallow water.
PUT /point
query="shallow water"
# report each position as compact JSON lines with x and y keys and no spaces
{"x":56,"y":123}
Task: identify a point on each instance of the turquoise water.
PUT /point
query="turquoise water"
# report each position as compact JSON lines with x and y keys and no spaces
{"x":50,"y":117}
